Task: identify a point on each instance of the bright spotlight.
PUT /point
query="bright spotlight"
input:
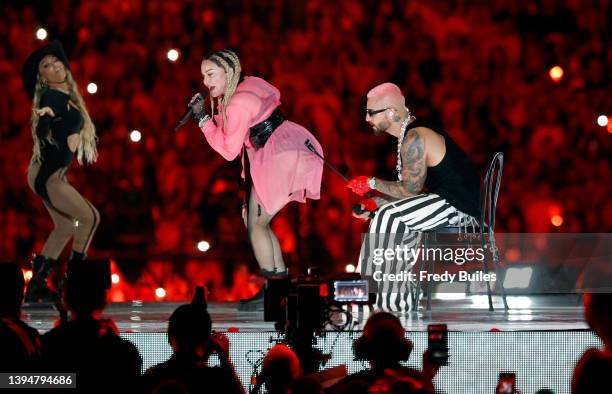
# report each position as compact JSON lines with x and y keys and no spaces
{"x":135,"y":135}
{"x":173,"y":55}
{"x":115,"y":278}
{"x":160,"y":292}
{"x":92,"y":88}
{"x":41,"y":34}
{"x":203,"y":246}
{"x":556,"y":73}
{"x":602,"y":120}
{"x":350,"y":268}
{"x":556,"y":220}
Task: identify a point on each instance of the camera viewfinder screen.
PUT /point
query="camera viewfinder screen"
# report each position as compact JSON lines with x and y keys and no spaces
{"x":351,"y":291}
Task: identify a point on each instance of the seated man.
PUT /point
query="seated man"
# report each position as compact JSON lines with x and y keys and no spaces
{"x":426,"y":159}
{"x":88,"y":344}
{"x":187,"y":371}
{"x":19,"y":342}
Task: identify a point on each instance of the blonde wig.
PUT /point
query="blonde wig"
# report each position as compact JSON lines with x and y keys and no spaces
{"x":87,"y":148}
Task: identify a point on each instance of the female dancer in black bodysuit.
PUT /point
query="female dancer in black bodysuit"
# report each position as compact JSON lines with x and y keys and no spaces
{"x":61,"y":128}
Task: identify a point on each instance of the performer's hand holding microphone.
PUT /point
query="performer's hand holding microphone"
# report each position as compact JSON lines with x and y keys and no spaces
{"x":196,"y":109}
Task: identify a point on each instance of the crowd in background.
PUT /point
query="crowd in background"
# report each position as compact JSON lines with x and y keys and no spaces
{"x":480,"y":70}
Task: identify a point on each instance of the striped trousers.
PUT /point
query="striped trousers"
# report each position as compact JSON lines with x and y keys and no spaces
{"x":400,"y":223}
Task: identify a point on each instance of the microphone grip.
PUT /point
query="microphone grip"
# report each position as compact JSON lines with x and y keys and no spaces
{"x":358,"y":210}
{"x":189,"y":111}
{"x":357,"y":207}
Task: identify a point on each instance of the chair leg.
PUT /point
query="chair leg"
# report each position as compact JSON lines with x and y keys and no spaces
{"x":496,"y":266}
{"x":432,"y":267}
{"x":486,"y":271}
{"x":416,"y":294}
{"x":417,"y":291}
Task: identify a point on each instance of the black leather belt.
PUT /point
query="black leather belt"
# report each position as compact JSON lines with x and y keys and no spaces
{"x":260,"y":133}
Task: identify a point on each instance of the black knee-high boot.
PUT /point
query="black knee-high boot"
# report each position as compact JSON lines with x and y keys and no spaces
{"x":38,"y":290}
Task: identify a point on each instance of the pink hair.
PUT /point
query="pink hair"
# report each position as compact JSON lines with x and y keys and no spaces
{"x":386,"y":89}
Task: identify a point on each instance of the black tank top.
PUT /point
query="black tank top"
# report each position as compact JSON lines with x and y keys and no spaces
{"x":455,"y":178}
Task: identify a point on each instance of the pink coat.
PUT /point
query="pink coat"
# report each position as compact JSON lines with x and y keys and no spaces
{"x":283,"y":169}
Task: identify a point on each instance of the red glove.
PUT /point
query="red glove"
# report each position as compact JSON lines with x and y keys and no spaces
{"x":359,"y":185}
{"x":370,"y":204}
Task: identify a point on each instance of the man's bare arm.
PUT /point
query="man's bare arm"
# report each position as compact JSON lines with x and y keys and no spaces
{"x":414,"y":169}
{"x":380,"y":201}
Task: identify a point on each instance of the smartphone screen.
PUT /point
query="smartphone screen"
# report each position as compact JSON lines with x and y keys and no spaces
{"x":437,"y":343}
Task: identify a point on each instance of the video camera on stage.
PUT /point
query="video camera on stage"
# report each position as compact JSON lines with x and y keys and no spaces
{"x":310,"y":302}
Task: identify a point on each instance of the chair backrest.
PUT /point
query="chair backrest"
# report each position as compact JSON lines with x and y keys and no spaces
{"x":489,"y":192}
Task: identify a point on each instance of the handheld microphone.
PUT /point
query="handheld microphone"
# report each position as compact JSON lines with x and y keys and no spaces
{"x":189,"y":112}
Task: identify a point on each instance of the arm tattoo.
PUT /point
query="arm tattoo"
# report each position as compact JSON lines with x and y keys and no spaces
{"x":414,"y":169}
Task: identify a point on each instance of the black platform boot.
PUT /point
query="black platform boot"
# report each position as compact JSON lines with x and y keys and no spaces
{"x":76,"y":256}
{"x":257,"y":301}
{"x":38,"y":290}
{"x":281,"y":274}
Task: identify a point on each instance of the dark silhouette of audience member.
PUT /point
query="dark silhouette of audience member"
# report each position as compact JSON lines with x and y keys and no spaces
{"x":594,"y":368}
{"x":383,"y":345}
{"x":306,"y":385}
{"x":281,"y":367}
{"x":86,"y":343}
{"x":19,"y":342}
{"x":187,"y":370}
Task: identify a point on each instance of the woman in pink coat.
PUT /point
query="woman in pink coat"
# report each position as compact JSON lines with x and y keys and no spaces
{"x":245,"y":119}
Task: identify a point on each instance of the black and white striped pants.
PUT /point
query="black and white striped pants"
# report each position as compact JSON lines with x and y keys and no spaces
{"x":400,"y":223}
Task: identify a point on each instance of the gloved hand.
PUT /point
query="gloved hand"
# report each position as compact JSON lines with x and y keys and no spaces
{"x":365,"y":210}
{"x":199,"y":111}
{"x":370,"y":205}
{"x":359,"y":185}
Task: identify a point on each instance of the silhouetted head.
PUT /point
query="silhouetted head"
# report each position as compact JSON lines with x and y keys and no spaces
{"x":86,"y":286}
{"x":383,"y":341}
{"x":190,"y":326}
{"x":598,"y":313}
{"x":280,"y":367}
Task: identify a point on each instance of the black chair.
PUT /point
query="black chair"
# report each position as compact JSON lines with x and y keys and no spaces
{"x":485,"y":233}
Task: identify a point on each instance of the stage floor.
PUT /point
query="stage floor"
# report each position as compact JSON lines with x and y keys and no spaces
{"x":469,"y":314}
{"x":539,"y":338}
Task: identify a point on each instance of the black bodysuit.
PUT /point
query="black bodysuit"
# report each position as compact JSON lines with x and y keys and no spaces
{"x":67,"y":121}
